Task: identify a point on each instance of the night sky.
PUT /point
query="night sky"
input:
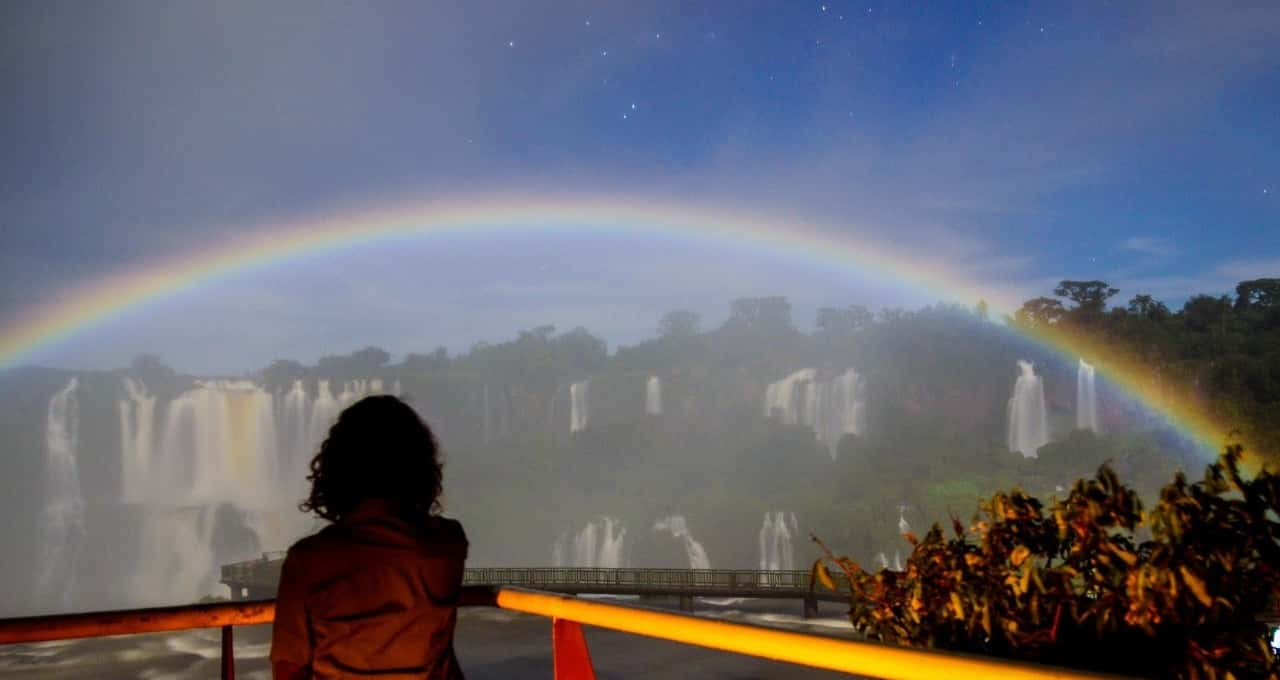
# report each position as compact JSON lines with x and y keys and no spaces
{"x":1133,"y":142}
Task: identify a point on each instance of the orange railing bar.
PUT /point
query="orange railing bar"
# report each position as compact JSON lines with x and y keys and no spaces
{"x":851,"y":656}
{"x":131,"y":621}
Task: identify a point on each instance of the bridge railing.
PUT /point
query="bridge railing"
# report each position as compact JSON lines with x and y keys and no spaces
{"x":570,"y":657}
{"x":266,"y":572}
{"x":727,"y":579}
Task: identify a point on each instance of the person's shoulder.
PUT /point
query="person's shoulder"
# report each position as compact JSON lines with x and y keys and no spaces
{"x":447,"y":529}
{"x":309,"y":545}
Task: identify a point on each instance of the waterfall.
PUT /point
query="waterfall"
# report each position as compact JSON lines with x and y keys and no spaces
{"x":776,"y":551}
{"x":579,"y":411}
{"x":64,"y":505}
{"x":679,"y":529}
{"x":295,"y":440}
{"x":882,"y":560}
{"x":832,"y":408}
{"x":1028,"y":422}
{"x":653,"y":396}
{"x":903,"y":527}
{"x":1086,"y":398}
{"x":897,"y":561}
{"x":219,"y":445}
{"x":324,"y":412}
{"x":137,"y":434}
{"x":599,"y":544}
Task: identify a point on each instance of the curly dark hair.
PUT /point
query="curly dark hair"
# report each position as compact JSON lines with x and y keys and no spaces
{"x":379,"y":448}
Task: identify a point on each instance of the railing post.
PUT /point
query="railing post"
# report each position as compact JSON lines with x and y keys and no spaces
{"x":570,"y":658}
{"x":228,"y":654}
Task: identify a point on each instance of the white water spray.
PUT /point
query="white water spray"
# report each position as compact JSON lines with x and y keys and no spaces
{"x":776,"y":534}
{"x":1086,"y":398}
{"x":653,"y":396}
{"x":599,"y":544}
{"x":137,"y":433}
{"x":64,"y":504}
{"x":1028,"y":421}
{"x":832,"y":408}
{"x":679,"y":529}
{"x":579,"y":411}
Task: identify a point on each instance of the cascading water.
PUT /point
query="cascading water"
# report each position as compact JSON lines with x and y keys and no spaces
{"x":832,"y":408}
{"x":903,"y":526}
{"x":137,"y":432}
{"x":599,"y":544}
{"x":1028,"y":421}
{"x":295,"y":439}
{"x":679,"y":529}
{"x":64,"y":504}
{"x":219,"y":444}
{"x":324,"y":411}
{"x":653,"y":396}
{"x":1086,"y":398}
{"x":776,"y":551}
{"x":579,"y":411}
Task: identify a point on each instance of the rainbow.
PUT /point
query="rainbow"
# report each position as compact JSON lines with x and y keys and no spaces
{"x":99,"y":301}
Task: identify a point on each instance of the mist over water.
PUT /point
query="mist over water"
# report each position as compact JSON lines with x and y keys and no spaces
{"x":687,"y":453}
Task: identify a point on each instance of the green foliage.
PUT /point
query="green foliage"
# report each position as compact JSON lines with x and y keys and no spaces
{"x":1088,"y":296}
{"x":1093,"y":580}
{"x":1221,"y":353}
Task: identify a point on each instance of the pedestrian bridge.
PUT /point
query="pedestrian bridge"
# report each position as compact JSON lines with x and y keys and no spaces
{"x":257,"y":579}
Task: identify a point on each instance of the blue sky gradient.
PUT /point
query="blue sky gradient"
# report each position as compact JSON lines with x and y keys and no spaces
{"x":1134,"y":142}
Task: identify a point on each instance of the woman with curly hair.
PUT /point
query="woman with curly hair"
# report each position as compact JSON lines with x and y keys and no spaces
{"x":373,"y":593}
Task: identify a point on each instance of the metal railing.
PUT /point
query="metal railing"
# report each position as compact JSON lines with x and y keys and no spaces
{"x":265,"y":573}
{"x":699,"y":579}
{"x":570,"y":657}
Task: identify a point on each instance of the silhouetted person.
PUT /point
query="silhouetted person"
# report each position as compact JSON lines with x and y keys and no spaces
{"x":373,"y":593}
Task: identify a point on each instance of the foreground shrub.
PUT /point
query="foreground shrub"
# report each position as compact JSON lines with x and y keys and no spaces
{"x":1093,"y":581}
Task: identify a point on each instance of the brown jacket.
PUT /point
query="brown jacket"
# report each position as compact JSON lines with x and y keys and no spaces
{"x":372,"y":596}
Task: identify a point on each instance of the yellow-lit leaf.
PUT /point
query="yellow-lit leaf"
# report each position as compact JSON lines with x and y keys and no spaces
{"x":1196,"y":586}
{"x":822,"y":575}
{"x":1128,"y":557}
{"x":1019,"y":555}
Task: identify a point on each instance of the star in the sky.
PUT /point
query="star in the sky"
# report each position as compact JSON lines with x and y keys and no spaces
{"x":604,"y":53}
{"x":633,"y":106}
{"x":511,"y":43}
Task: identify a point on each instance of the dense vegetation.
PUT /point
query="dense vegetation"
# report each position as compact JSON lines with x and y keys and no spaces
{"x":1093,"y":580}
{"x":1225,"y":351}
